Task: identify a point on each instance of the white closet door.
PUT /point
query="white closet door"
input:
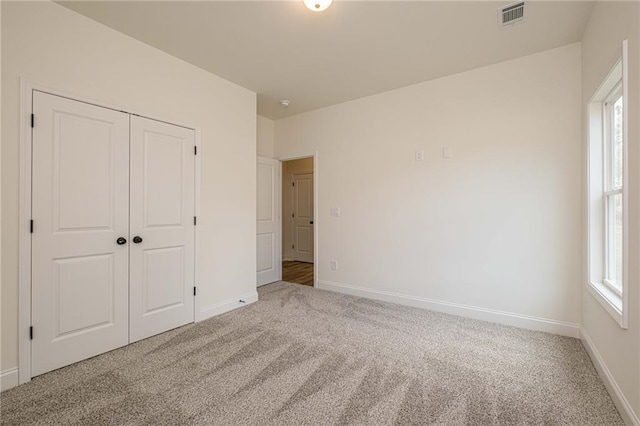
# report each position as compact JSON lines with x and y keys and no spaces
{"x":80,"y":209}
{"x":162,"y":227}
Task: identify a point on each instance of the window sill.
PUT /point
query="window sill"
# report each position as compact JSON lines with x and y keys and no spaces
{"x":610,"y":301}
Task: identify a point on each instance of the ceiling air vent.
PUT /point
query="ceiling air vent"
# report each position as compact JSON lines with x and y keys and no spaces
{"x":511,"y":14}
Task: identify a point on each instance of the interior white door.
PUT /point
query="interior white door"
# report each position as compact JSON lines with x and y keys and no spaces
{"x":162,"y":226}
{"x":302,"y":199}
{"x":269,"y":243}
{"x":80,"y":209}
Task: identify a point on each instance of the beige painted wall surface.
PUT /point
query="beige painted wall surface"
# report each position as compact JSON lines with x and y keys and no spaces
{"x":53,"y":45}
{"x":264,"y":137}
{"x":288,"y":169}
{"x":497,"y":226}
{"x":610,"y":24}
{"x":1,"y":319}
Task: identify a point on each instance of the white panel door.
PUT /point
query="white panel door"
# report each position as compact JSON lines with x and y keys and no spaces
{"x":162,"y":227}
{"x":302,"y":217}
{"x":80,"y":209}
{"x":269,"y":243}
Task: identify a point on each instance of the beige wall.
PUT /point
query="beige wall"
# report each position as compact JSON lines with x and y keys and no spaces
{"x":264,"y":137}
{"x":496,"y":227}
{"x":50,"y":44}
{"x":610,"y":23}
{"x":288,"y":169}
{"x":1,"y":319}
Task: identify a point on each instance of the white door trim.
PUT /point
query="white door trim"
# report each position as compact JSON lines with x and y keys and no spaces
{"x":316,"y":218}
{"x":27,"y":87}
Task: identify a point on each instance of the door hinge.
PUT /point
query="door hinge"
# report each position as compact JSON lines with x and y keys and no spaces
{"x":293,"y":246}
{"x":31,"y":226}
{"x":31,"y":333}
{"x":195,"y":220}
{"x":33,"y":120}
{"x":195,"y":150}
{"x":293,"y":215}
{"x":194,"y":291}
{"x":293,"y":184}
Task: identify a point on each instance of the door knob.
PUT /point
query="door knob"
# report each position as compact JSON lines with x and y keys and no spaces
{"x":121,"y":241}
{"x":311,"y":223}
{"x":137,"y":239}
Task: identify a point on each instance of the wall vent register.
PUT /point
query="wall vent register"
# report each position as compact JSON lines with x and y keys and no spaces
{"x":511,"y":14}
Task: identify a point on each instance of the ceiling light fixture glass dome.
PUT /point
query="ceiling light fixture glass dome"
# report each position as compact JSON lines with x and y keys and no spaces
{"x":317,"y":5}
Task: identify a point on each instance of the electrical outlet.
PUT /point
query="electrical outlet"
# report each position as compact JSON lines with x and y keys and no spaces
{"x":447,"y":153}
{"x":420,"y":155}
{"x":334,"y":265}
{"x":335,"y":211}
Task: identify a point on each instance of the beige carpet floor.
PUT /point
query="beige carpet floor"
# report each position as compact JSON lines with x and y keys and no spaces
{"x":305,"y":356}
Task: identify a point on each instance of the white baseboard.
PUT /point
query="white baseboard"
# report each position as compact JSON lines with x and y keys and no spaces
{"x":507,"y":318}
{"x":227,"y":305}
{"x":621,"y":403}
{"x":9,"y":379}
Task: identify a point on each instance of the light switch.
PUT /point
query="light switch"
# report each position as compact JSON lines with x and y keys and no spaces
{"x":446,"y":152}
{"x":419,"y":155}
{"x":334,"y":265}
{"x":335,"y":211}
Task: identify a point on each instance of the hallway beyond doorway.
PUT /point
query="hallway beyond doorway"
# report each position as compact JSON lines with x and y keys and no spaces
{"x":297,"y":272}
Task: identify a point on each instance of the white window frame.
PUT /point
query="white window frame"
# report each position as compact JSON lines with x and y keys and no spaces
{"x":600,"y":190}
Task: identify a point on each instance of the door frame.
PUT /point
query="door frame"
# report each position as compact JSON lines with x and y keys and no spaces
{"x":27,"y":87}
{"x":291,"y":188}
{"x":316,"y":219}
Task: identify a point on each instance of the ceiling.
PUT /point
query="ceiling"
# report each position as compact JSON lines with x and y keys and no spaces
{"x":281,"y":50}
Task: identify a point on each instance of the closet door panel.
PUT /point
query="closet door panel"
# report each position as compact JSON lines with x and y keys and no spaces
{"x":80,"y":207}
{"x":162,"y":219}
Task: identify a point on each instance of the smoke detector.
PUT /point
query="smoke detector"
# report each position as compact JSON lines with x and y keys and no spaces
{"x":284,"y":103}
{"x":511,"y":14}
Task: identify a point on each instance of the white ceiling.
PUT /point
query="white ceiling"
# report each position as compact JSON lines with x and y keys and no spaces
{"x":281,"y":50}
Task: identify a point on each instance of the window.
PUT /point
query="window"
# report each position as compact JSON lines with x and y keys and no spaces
{"x":613,"y":150}
{"x":607,"y":193}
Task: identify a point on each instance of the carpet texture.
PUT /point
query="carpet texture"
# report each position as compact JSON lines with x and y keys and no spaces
{"x":305,"y":356}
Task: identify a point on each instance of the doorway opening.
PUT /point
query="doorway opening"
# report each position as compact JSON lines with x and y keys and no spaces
{"x":298,"y":221}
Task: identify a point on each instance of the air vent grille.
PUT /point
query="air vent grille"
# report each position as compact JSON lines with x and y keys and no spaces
{"x":511,"y":14}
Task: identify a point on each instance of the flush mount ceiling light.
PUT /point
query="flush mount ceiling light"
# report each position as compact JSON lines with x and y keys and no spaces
{"x":317,"y":5}
{"x":284,"y":103}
